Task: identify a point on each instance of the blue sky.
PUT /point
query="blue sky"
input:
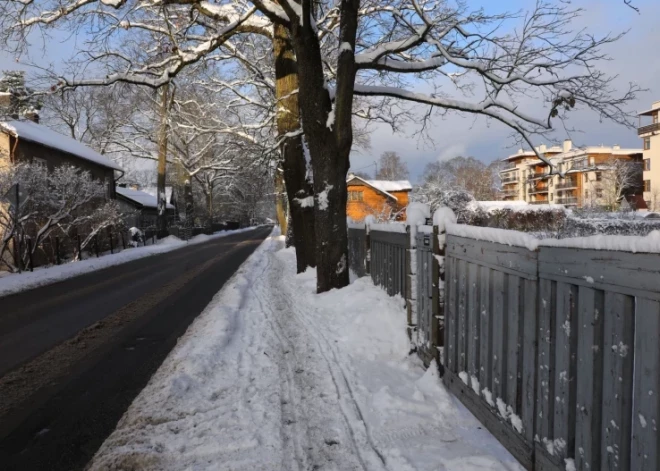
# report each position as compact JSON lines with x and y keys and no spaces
{"x":635,"y":58}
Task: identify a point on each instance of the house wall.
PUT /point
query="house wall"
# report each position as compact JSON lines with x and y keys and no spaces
{"x":26,"y":151}
{"x":375,"y":203}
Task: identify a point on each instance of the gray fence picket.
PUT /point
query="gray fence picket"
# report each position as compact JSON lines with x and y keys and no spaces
{"x":499,"y":335}
{"x":473,"y":337}
{"x":646,"y":413}
{"x":617,"y":381}
{"x":590,"y":378}
{"x":486,"y":349}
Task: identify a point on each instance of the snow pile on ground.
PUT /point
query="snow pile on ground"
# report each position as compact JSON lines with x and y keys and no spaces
{"x":14,"y":283}
{"x":325,"y":382}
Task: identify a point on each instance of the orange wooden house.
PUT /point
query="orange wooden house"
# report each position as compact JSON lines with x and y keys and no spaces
{"x":383,"y":199}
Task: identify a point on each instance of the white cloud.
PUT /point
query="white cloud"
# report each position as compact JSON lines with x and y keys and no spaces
{"x":454,"y":150}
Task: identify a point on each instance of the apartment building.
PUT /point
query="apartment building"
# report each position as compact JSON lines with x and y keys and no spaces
{"x":589,"y":178}
{"x":649,"y":131}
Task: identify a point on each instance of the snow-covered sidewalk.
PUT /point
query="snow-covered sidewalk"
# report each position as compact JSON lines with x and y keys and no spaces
{"x":274,"y":377}
{"x":14,"y":283}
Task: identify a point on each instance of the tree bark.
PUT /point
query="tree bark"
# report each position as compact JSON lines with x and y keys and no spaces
{"x":161,"y":217}
{"x":328,"y":132}
{"x":293,"y":164}
{"x":280,"y":202}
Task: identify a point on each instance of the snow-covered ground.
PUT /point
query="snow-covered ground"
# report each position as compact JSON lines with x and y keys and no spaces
{"x":274,"y":377}
{"x":14,"y":283}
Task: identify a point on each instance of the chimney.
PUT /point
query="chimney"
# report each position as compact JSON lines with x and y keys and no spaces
{"x":568,"y":145}
{"x":542,"y":149}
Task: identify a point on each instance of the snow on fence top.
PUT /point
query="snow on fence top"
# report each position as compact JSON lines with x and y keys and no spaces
{"x":391,"y":227}
{"x":490,"y":234}
{"x":517,"y":206}
{"x":355,"y":225}
{"x":45,"y":136}
{"x":634,"y":244}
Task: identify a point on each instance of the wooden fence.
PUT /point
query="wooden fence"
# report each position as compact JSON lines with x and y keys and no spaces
{"x":389,"y":260}
{"x":555,"y":350}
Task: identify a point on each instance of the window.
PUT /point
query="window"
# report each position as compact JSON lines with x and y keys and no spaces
{"x":586,"y":177}
{"x":647,"y":143}
{"x":647,"y":185}
{"x":655,"y":118}
{"x":592,"y":161}
{"x":599,"y":177}
{"x":354,"y":196}
{"x":551,"y":196}
{"x":647,"y":164}
{"x":550,"y":183}
{"x":599,"y":192}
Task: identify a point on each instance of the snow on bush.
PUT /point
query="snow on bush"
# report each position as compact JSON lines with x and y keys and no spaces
{"x":417,"y":214}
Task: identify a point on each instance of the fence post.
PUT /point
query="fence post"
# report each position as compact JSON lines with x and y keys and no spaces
{"x":438,"y":294}
{"x":111,"y":247}
{"x":80,"y":257}
{"x":96,"y":245}
{"x":410,"y":282}
{"x":367,"y":241}
{"x":29,"y":249}
{"x":123,"y":241}
{"x":57,"y":250}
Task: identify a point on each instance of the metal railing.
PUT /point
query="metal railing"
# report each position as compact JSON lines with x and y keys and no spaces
{"x":648,"y":128}
{"x":539,"y":202}
{"x":513,"y":179}
{"x":566,"y":185}
{"x":535,"y":175}
{"x":567,"y":201}
{"x":535,"y":191}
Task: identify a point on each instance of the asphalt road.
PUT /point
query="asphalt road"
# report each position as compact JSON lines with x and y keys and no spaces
{"x":73,"y":355}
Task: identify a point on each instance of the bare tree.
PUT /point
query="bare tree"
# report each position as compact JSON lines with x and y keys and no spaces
{"x":391,"y":167}
{"x":469,"y":60}
{"x":618,"y":178}
{"x":463,"y":173}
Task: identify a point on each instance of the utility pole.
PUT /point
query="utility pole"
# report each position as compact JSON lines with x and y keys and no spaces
{"x":161,"y":218}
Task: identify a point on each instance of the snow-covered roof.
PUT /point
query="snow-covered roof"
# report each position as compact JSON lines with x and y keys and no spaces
{"x":45,"y":136}
{"x":386,"y":185}
{"x":153,"y":191}
{"x":144,"y":199}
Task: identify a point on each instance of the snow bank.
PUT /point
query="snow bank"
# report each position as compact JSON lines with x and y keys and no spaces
{"x":417,"y":214}
{"x":273,"y":376}
{"x":15,"y":283}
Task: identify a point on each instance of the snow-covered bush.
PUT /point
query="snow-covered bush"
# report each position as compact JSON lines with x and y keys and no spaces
{"x":524,"y":218}
{"x":65,"y":202}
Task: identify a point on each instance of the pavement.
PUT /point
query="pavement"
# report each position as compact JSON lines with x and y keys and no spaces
{"x":74,"y":354}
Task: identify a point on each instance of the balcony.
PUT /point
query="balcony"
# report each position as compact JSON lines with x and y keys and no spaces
{"x":567,"y":201}
{"x":536,"y":191}
{"x":510,"y":193}
{"x":535,"y":175}
{"x":580,"y":165}
{"x":509,"y":166}
{"x":648,"y":129}
{"x":539,"y":202}
{"x":513,"y":179}
{"x":566,"y":185}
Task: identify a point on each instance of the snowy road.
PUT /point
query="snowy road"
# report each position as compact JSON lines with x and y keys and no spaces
{"x":73,"y":355}
{"x":274,"y":377}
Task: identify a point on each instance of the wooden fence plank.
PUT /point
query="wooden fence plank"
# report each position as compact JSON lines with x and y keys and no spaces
{"x":618,"y":325}
{"x":474,"y":339}
{"x":589,"y":378}
{"x":529,"y":358}
{"x":514,"y":332}
{"x":545,"y":388}
{"x":509,"y":259}
{"x":645,"y":437}
{"x":462,"y":313}
{"x":499,"y":334}
{"x":565,"y":367}
{"x":452,"y":315}
{"x":486,"y":347}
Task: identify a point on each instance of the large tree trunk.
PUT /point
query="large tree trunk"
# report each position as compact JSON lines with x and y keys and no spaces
{"x":329,"y":142}
{"x":161,"y":218}
{"x":293,"y":163}
{"x":280,"y":201}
